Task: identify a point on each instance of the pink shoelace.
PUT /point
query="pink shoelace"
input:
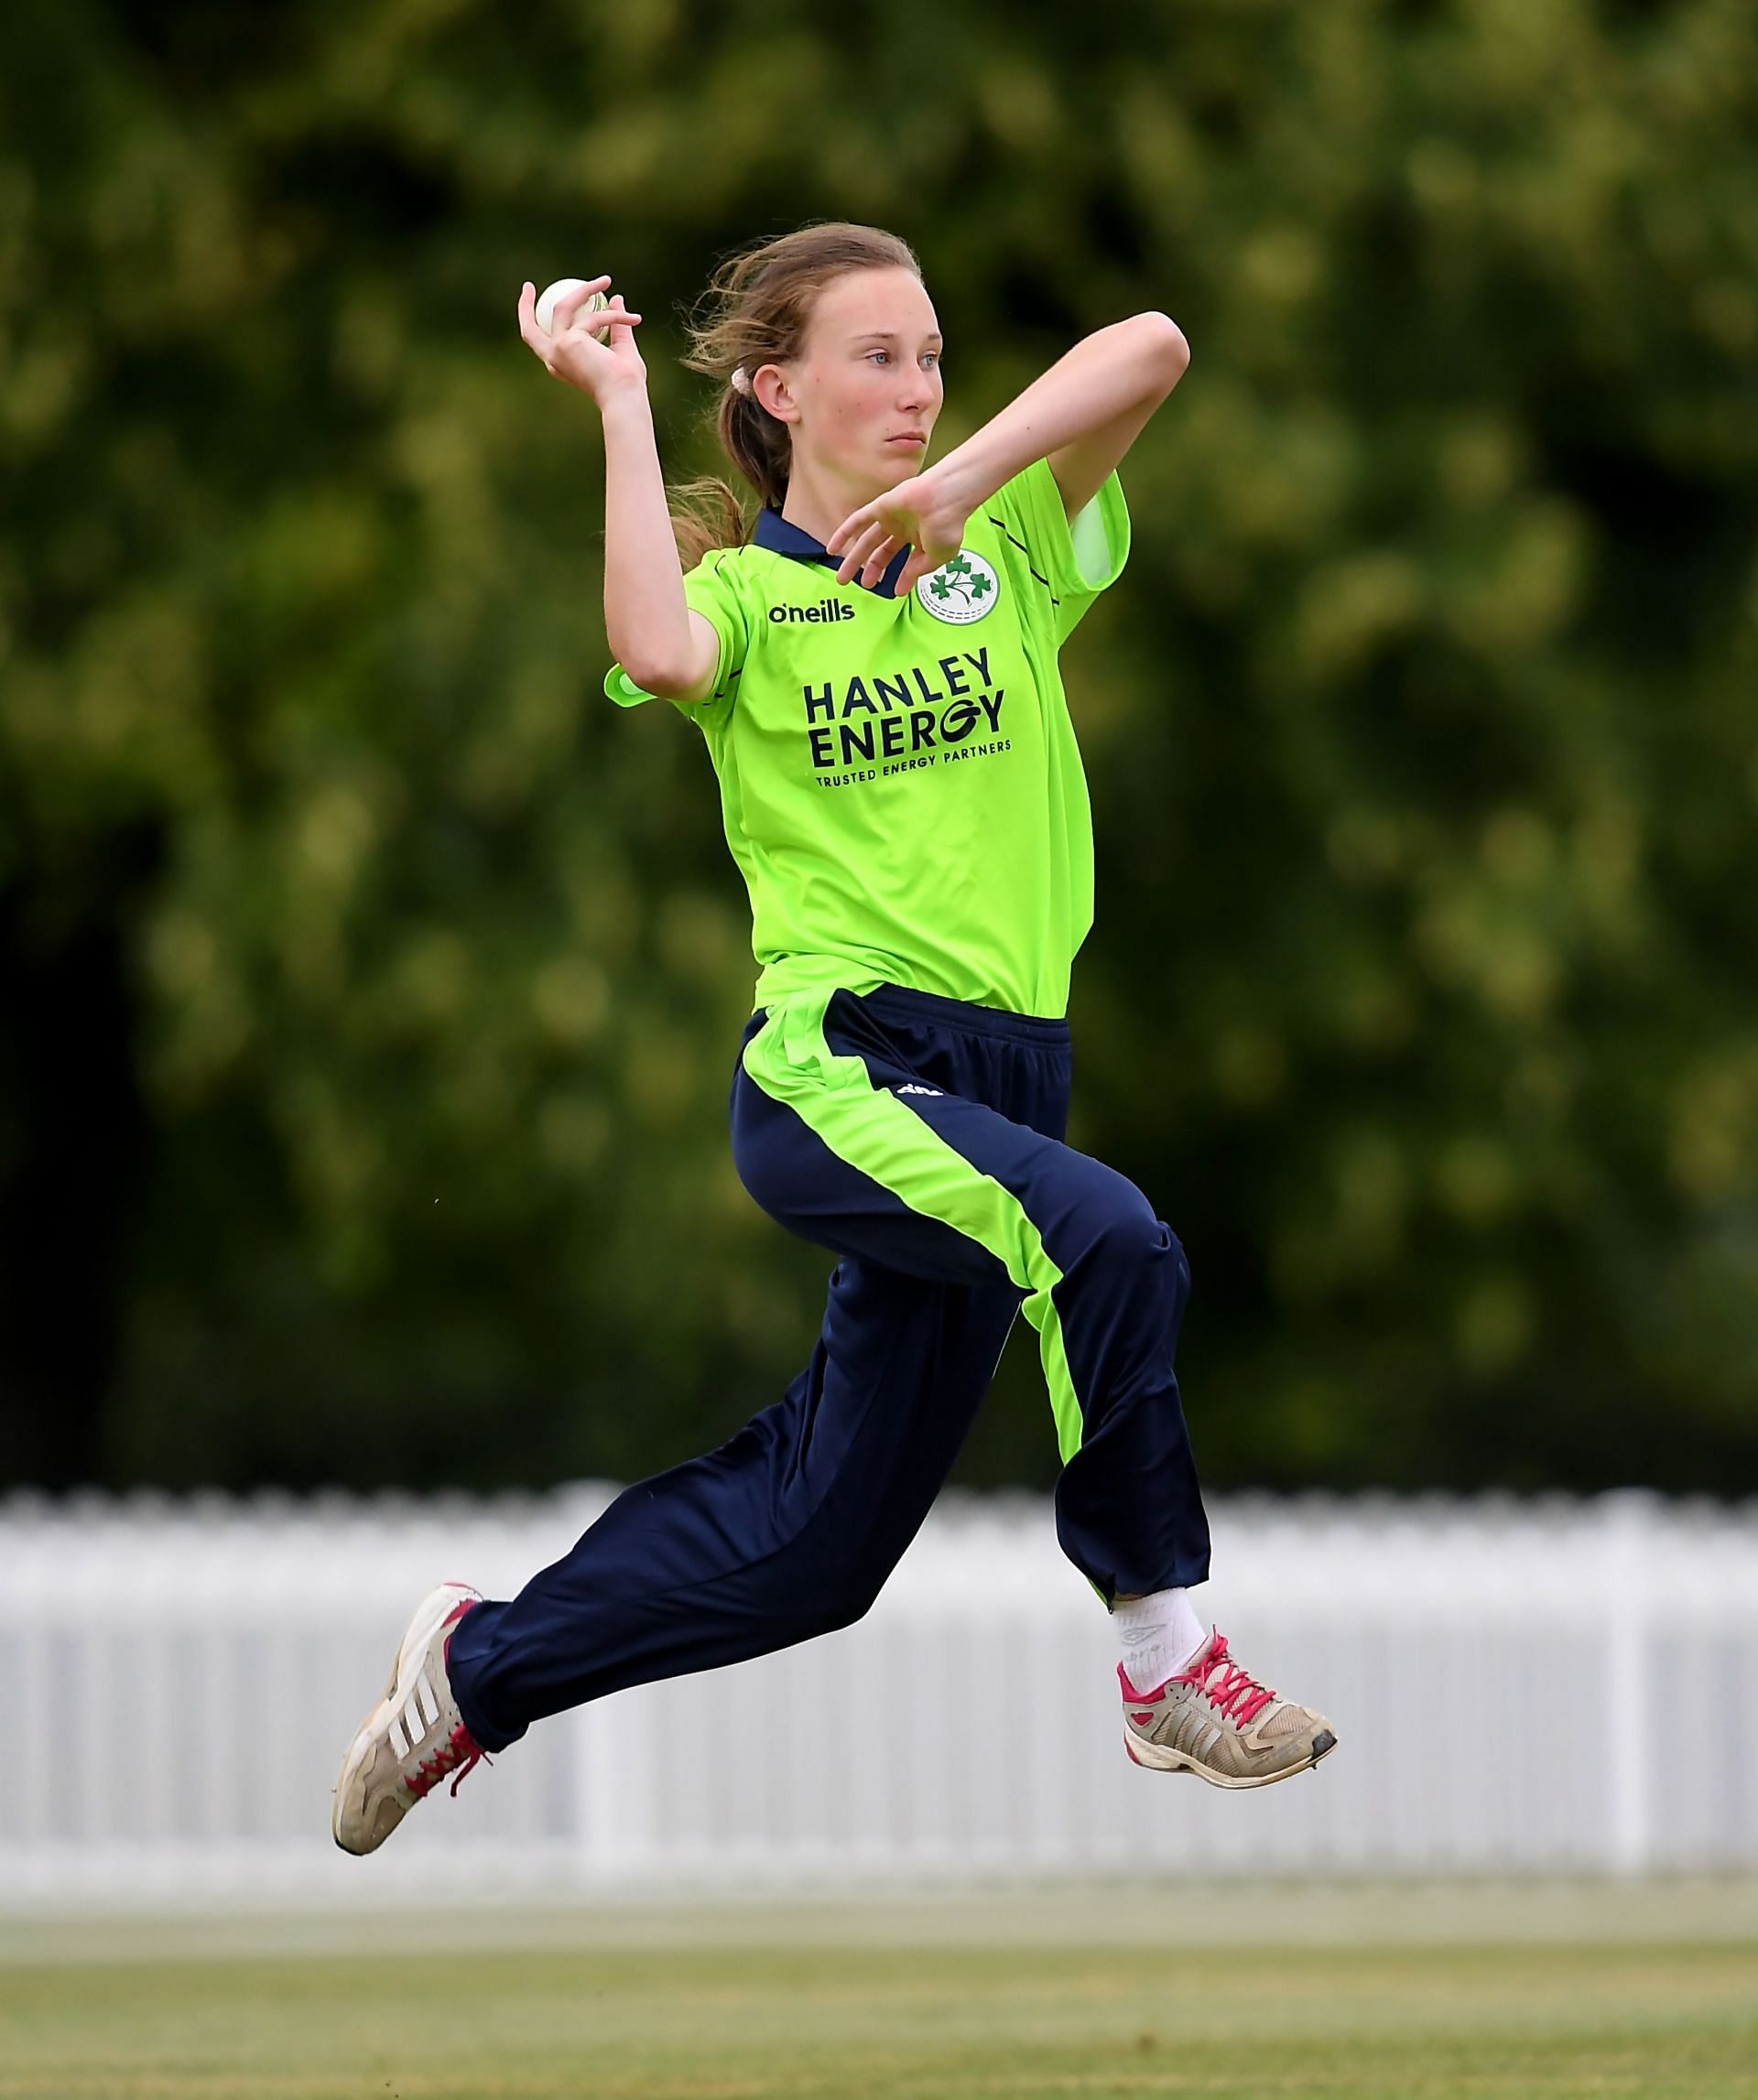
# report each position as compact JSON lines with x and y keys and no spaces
{"x":461,"y":1755}
{"x":1239,"y":1695}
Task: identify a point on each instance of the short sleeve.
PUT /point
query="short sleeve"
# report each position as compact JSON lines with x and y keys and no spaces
{"x":709,"y":589}
{"x":1074,"y":561}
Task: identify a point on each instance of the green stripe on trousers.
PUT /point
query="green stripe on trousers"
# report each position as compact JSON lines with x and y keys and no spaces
{"x":874,"y":1132}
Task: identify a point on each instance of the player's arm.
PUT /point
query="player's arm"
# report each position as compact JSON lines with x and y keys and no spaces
{"x":1125,"y":372}
{"x":667,"y":649}
{"x":1082,"y":415}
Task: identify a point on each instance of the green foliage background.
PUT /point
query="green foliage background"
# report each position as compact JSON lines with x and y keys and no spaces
{"x":369,"y":989}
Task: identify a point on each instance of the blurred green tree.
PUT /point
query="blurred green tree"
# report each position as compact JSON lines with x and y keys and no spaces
{"x":368,"y":990}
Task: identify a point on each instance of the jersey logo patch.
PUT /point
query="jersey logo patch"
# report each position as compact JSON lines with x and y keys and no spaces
{"x":961,"y":590}
{"x":935,"y":1091}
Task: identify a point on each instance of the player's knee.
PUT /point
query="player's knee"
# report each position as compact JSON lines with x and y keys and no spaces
{"x":845,"y":1593}
{"x":840,"y":1604}
{"x":1180,"y":1267}
{"x":1135,"y":1249}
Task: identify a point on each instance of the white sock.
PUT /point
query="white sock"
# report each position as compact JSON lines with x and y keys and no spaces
{"x":1157,"y":1636}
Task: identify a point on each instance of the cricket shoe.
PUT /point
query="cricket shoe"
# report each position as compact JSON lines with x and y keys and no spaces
{"x":414,"y":1737}
{"x":1213,"y":1720}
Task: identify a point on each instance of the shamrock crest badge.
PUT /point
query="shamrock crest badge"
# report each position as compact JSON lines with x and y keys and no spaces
{"x":961,"y":590}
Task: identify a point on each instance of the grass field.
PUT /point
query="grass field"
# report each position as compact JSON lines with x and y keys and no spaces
{"x":921,"y":2023}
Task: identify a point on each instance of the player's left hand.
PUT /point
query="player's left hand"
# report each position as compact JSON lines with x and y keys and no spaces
{"x":918,"y":513}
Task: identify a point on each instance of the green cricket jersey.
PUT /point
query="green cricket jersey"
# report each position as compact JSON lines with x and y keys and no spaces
{"x":899,"y":777}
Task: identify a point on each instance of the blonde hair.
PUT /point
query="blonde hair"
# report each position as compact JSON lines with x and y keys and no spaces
{"x":755,"y":312}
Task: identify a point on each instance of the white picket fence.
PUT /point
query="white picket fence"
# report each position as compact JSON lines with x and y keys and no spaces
{"x":1526,"y":1688}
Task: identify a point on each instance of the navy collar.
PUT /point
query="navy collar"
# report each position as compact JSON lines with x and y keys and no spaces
{"x":773,"y":532}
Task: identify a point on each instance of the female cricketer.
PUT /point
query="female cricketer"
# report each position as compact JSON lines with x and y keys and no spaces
{"x":874,"y":671}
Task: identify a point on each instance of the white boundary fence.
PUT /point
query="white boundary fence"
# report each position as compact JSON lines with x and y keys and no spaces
{"x":1567,"y":1687}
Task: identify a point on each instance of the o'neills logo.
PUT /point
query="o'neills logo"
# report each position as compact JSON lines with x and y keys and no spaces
{"x":826,"y":609}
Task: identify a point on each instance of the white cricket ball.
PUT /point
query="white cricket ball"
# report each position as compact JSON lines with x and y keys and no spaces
{"x":551,"y":293}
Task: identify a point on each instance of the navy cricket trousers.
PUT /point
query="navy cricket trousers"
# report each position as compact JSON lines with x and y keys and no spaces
{"x":921,"y":1140}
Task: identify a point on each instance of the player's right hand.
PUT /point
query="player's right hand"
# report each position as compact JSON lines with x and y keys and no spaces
{"x":571,"y":351}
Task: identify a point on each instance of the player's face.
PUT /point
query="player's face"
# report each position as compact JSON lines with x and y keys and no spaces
{"x":868,"y":388}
